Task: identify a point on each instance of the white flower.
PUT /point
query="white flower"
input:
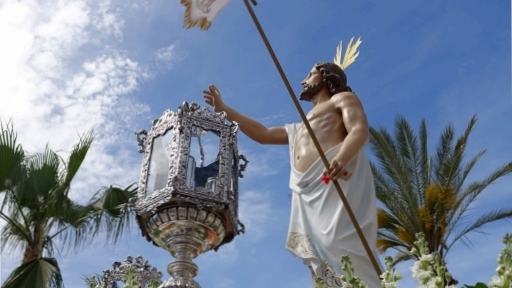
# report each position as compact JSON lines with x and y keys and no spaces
{"x":418,"y":273}
{"x":416,"y":266}
{"x":496,"y":282}
{"x":432,"y":283}
{"x":427,"y":258}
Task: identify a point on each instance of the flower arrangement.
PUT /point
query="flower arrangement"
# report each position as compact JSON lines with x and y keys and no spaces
{"x":429,"y":270}
{"x":129,"y":282}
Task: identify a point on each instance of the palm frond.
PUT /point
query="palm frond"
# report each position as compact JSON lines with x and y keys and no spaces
{"x":394,"y":172}
{"x":14,"y":214}
{"x":397,"y":208}
{"x":468,"y":195}
{"x":457,"y":212}
{"x":37,"y":273}
{"x":390,"y":236}
{"x":384,"y":244}
{"x":76,"y":158}
{"x":110,"y":214}
{"x":74,"y":225}
{"x":386,"y":220}
{"x":14,"y":234}
{"x":424,"y":161}
{"x":383,"y":146}
{"x":50,"y":248}
{"x":467,"y":169}
{"x":402,"y":256}
{"x":386,"y":190}
{"x":390,"y":239}
{"x":443,"y":154}
{"x":501,"y":214}
{"x":393,"y":201}
{"x":11,"y":157}
{"x":452,"y":167}
{"x":409,"y":152}
{"x":42,"y":178}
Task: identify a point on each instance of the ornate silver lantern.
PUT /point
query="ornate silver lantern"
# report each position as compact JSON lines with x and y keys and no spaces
{"x":187,"y":201}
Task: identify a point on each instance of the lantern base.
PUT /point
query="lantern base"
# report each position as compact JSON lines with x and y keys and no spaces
{"x":180,"y":283}
{"x":183,"y":269}
{"x":185,"y":231}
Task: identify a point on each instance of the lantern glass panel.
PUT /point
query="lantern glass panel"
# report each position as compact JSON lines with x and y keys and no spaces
{"x":159,"y":162}
{"x":203,"y":162}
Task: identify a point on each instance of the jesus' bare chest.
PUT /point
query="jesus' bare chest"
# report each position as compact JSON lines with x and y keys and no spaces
{"x":327,"y":123}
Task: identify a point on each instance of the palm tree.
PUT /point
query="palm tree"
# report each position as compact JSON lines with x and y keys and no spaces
{"x":427,"y":193}
{"x":36,"y":207}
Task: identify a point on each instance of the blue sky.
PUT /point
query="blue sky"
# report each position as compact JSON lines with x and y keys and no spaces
{"x":69,"y":66}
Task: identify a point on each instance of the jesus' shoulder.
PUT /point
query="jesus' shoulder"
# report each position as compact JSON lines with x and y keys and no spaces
{"x":351,"y":110}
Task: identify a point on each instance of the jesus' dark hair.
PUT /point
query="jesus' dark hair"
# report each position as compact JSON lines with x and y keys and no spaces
{"x":335,"y":77}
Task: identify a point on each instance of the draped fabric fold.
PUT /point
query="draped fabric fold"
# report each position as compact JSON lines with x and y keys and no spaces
{"x":320,"y":230}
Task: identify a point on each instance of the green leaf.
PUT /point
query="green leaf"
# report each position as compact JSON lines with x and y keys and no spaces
{"x":37,"y":273}
{"x":112,"y":214}
{"x":35,"y":200}
{"x":11,"y":157}
{"x":477,"y":285}
{"x":42,"y":178}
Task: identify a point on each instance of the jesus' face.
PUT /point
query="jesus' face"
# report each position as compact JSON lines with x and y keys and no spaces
{"x":313,"y":84}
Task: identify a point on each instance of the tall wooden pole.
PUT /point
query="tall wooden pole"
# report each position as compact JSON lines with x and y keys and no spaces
{"x":315,"y":141}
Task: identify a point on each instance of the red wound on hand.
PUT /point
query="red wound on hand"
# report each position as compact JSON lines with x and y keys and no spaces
{"x":325,"y":179}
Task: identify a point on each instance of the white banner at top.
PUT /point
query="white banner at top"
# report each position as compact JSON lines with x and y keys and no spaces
{"x":202,"y":12}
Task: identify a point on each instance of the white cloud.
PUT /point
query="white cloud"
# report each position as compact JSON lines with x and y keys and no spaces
{"x":108,"y":21}
{"x":168,"y":55}
{"x":63,"y":74}
{"x":54,"y":90}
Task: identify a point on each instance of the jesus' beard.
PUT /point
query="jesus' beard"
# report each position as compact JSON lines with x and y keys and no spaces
{"x":310,"y":90}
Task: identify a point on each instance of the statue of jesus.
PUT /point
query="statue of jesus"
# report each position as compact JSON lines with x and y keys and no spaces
{"x":320,"y":230}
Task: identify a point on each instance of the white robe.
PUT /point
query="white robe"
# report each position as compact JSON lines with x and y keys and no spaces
{"x":320,"y":230}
